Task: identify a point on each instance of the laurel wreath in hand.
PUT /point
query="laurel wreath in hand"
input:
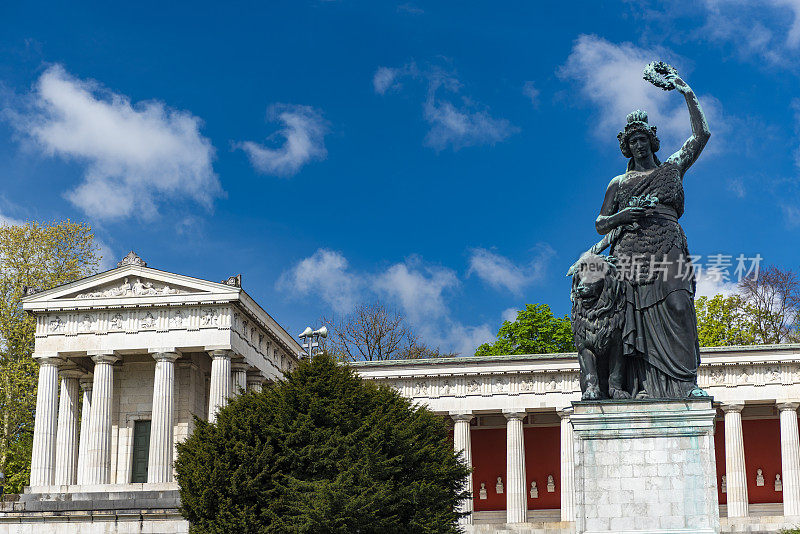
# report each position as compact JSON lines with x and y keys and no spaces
{"x":661,"y":75}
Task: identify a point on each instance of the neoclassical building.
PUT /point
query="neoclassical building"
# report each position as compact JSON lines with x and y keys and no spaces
{"x":129,"y":356}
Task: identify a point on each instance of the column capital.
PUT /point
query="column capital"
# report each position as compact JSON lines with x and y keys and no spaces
{"x":514,"y":414}
{"x":104,"y":357}
{"x":169,"y":356}
{"x":240,"y":366}
{"x":49,"y":358}
{"x":87,"y":383}
{"x":565,"y":413}
{"x":220,"y":353}
{"x":735,"y":407}
{"x":788,"y":406}
{"x":71,"y":373}
{"x":255,"y":378}
{"x":462,"y":416}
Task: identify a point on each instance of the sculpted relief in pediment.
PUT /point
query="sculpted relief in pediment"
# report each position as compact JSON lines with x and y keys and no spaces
{"x":131,"y":287}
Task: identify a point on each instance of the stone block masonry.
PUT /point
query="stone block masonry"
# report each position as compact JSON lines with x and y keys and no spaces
{"x":645,"y":467}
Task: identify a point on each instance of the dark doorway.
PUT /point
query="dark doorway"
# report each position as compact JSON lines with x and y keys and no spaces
{"x":141,"y":450}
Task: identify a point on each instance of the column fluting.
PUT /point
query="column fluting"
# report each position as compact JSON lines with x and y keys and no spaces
{"x":567,"y":466}
{"x":516,"y":496}
{"x":159,"y":462}
{"x":44,"y":427}
{"x":239,"y":377}
{"x":98,"y":449}
{"x":67,"y":434}
{"x":736,"y":475}
{"x":790,"y":458}
{"x":220,"y":388}
{"x":462,"y":443}
{"x":86,"y":416}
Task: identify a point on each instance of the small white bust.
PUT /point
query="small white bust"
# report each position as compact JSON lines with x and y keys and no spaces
{"x":534,"y":490}
{"x":482,"y":492}
{"x":759,"y":477}
{"x":778,"y":483}
{"x":724,"y":484}
{"x":551,"y":484}
{"x":499,"y":486}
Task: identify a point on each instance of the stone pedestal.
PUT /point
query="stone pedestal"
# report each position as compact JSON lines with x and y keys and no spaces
{"x":645,"y":467}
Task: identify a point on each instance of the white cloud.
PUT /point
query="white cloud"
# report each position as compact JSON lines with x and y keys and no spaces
{"x":791,"y":214}
{"x":709,"y":286}
{"x":5,"y":220}
{"x":767,"y":29}
{"x":736,"y":186}
{"x":135,"y":156}
{"x":460,"y":127}
{"x":418,"y":289}
{"x":325,"y":275}
{"x":509,"y":314}
{"x":501,"y":273}
{"x":303,"y":141}
{"x":107,"y":258}
{"x":530,"y":90}
{"x":453,"y":124}
{"x":383,"y":79}
{"x":610,"y":77}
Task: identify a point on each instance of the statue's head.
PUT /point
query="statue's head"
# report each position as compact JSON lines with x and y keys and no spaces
{"x":638,"y":139}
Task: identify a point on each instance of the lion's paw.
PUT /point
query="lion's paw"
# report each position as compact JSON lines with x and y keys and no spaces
{"x":591,"y":393}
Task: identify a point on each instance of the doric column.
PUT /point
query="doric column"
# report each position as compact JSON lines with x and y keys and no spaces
{"x":220,"y":388}
{"x":790,"y":458}
{"x":159,"y":462}
{"x":462,"y":443}
{"x":86,"y":409}
{"x":44,"y":428}
{"x":239,"y":376}
{"x":567,"y":467}
{"x":516,"y":496}
{"x":67,"y":435}
{"x":735,"y":473}
{"x":98,"y":448}
{"x":254,"y":382}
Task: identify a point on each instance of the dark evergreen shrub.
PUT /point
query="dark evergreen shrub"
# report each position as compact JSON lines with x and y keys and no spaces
{"x":321,"y":452}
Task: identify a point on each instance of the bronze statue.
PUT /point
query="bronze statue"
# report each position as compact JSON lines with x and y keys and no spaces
{"x":639,"y":219}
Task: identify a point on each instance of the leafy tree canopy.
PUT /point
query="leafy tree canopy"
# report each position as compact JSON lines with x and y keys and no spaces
{"x":536,"y":331}
{"x":321,"y":452}
{"x":39,"y":256}
{"x":724,"y":320}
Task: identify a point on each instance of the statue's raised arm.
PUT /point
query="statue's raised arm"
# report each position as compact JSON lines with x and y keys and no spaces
{"x":666,"y":77}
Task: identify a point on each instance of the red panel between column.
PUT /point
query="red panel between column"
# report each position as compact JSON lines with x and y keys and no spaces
{"x":762,"y":449}
{"x":543,"y":458}
{"x":489,"y":462}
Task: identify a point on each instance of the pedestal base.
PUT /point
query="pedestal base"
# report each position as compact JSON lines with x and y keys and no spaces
{"x":645,"y":467}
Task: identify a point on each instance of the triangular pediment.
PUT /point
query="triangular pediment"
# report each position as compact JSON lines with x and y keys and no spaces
{"x":134,"y":286}
{"x":129,"y":284}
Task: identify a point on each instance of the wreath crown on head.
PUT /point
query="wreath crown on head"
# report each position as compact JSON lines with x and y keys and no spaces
{"x":637,"y":122}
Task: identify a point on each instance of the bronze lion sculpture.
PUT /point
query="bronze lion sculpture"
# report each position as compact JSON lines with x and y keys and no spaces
{"x":598,"y":315}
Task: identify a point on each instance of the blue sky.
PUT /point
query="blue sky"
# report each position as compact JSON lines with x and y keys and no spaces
{"x":448,"y":158}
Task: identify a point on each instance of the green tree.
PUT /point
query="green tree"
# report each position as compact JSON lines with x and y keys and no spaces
{"x":536,"y":331}
{"x":724,"y":321}
{"x":321,"y":451}
{"x":32,"y":255}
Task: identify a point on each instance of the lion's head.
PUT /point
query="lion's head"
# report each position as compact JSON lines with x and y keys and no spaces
{"x":598,"y":302}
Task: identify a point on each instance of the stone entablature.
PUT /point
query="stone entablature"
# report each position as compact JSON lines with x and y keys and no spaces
{"x":493,"y":383}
